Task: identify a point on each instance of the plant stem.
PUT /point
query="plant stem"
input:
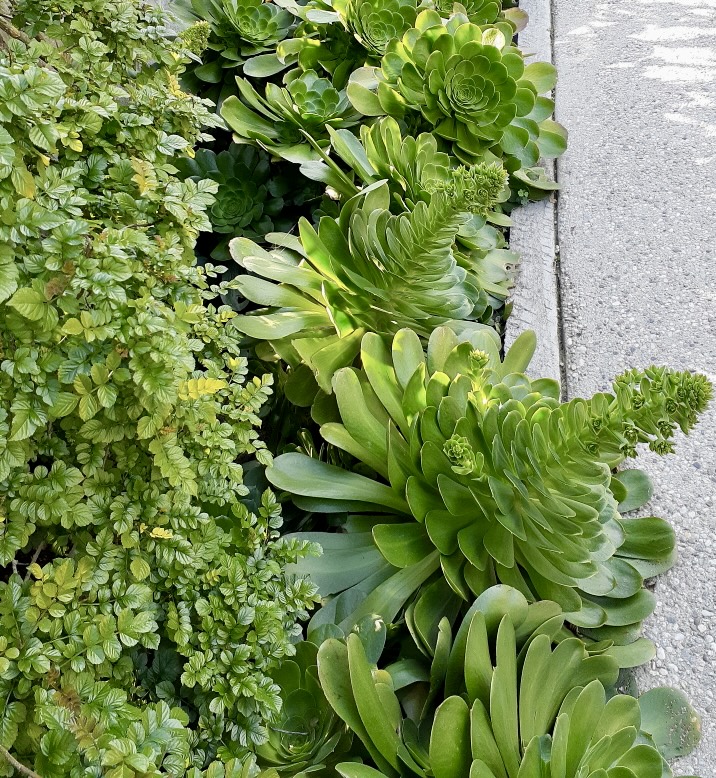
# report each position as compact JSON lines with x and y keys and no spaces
{"x":40,"y":548}
{"x":18,"y":765}
{"x":8,"y":30}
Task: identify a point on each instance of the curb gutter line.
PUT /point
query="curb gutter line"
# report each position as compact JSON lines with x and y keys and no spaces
{"x":535,"y":299}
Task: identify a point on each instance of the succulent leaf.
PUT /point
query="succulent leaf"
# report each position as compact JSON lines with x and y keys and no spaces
{"x":477,"y":11}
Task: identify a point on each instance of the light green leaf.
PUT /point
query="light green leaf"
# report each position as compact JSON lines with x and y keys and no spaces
{"x":373,"y":714}
{"x":28,"y":303}
{"x":301,"y":475}
{"x":639,"y":489}
{"x":64,"y":405}
{"x":450,"y":748}
{"x":542,"y":75}
{"x":8,"y":273}
{"x":403,"y":544}
{"x":667,"y":716}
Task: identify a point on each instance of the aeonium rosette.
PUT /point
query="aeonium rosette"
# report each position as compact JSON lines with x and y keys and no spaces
{"x":470,"y":86}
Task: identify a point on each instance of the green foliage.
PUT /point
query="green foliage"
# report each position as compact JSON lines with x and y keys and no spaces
{"x":308,"y":735}
{"x":514,"y":703}
{"x":149,"y":608}
{"x":472,"y":460}
{"x":136,"y":574}
{"x":237,"y":31}
{"x":367,"y":271}
{"x":478,"y":11}
{"x":306,"y":105}
{"x":471,"y":87}
{"x":375,"y":23}
{"x":246,"y":198}
{"x":254,"y":195}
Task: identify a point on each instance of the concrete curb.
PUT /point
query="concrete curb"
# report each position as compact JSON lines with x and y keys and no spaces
{"x":535,"y":299}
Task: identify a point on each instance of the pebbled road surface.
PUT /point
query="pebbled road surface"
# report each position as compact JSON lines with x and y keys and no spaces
{"x":637,"y":237}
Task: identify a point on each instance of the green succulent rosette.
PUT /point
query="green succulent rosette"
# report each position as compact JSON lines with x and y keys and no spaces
{"x":279,"y":122}
{"x":246,"y":200}
{"x":513,"y":704}
{"x":239,"y":31}
{"x":307,"y":736}
{"x":369,"y":270}
{"x":470,"y":87}
{"x":376,"y":23}
{"x":483,"y":474}
{"x":477,"y":11}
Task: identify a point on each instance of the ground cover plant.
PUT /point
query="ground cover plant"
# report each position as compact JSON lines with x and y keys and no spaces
{"x":270,"y":248}
{"x":143,"y":587}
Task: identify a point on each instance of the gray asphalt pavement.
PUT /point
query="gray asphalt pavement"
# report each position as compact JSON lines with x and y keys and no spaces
{"x":637,"y":238}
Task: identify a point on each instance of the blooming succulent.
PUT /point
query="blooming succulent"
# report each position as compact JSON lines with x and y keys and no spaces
{"x":515,"y":704}
{"x":471,"y":88}
{"x":414,"y":169}
{"x":369,"y":270}
{"x":478,"y":463}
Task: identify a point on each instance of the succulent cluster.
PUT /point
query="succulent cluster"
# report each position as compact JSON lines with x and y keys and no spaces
{"x":446,"y":68}
{"x":370,"y":271}
{"x":246,"y":199}
{"x":307,"y":735}
{"x":281,"y":120}
{"x":470,"y":86}
{"x":238,"y":31}
{"x":518,"y":700}
{"x":478,"y":11}
{"x":490,"y":470}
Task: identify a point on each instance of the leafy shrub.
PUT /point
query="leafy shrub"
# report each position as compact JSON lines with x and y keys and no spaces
{"x":142,"y":591}
{"x":472,"y":461}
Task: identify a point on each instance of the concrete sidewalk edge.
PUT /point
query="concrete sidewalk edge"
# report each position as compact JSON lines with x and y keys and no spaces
{"x":535,"y":298}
